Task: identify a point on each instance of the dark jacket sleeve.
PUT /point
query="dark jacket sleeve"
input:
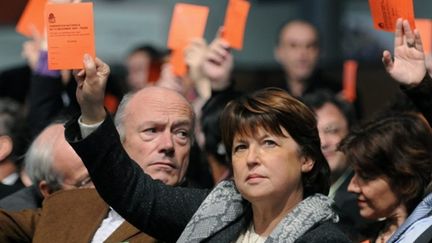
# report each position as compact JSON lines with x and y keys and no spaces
{"x":421,"y":96}
{"x":159,"y":210}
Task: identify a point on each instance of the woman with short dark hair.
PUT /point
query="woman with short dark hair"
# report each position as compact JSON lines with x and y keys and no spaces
{"x":279,"y":114}
{"x":392,"y":164}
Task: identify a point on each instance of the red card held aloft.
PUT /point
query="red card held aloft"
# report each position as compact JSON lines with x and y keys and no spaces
{"x":188,"y":22}
{"x":32,"y":18}
{"x":386,"y":12}
{"x":177,"y":62}
{"x":70,"y":34}
{"x":350,"y":80}
{"x":235,"y":22}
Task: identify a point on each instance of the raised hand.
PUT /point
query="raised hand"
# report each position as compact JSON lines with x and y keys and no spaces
{"x":31,"y":48}
{"x":408,"y":65}
{"x":218,"y":63}
{"x":169,"y":80}
{"x":195,"y":54}
{"x":91,"y":83}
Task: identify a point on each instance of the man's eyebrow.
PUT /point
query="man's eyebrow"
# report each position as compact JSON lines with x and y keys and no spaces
{"x":182,"y":123}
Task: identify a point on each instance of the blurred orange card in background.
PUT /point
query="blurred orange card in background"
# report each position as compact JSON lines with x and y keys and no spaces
{"x":386,"y":12}
{"x":424,"y":26}
{"x":178,"y":63}
{"x":70,"y":34}
{"x":350,"y":80}
{"x":188,"y":22}
{"x":32,"y":17}
{"x":235,"y":23}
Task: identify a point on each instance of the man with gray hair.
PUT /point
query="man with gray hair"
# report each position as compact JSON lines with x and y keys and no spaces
{"x":52,"y":165}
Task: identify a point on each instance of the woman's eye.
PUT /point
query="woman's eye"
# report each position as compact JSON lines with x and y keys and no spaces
{"x":239,"y":147}
{"x":268,"y":142}
{"x":365,"y":177}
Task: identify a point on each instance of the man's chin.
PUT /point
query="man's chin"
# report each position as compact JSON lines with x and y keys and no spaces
{"x":166,"y":179}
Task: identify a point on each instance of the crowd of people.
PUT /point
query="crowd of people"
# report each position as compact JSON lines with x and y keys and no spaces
{"x":162,"y":158}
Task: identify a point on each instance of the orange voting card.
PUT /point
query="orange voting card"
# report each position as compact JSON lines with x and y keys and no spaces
{"x":386,"y":12}
{"x":188,"y":22}
{"x":424,"y":26}
{"x":70,"y":32}
{"x":235,"y":22}
{"x":350,"y":80}
{"x":177,"y":62}
{"x":32,"y":17}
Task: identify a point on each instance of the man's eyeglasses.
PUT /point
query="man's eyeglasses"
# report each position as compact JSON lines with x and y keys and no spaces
{"x":84,"y":183}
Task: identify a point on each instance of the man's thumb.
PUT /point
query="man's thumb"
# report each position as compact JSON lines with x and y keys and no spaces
{"x":89,"y":66}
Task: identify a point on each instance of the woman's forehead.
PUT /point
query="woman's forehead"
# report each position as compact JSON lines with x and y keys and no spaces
{"x":258,"y":131}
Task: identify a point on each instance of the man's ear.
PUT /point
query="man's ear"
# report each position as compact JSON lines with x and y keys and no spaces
{"x":6,"y":147}
{"x":44,"y":188}
{"x":307,"y":164}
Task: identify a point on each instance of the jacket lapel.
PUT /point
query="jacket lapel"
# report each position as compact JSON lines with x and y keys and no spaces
{"x":124,"y":232}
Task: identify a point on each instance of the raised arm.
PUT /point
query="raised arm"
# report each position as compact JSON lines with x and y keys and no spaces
{"x":409,"y":67}
{"x":218,"y":63}
{"x":91,"y":83}
{"x":156,"y":209}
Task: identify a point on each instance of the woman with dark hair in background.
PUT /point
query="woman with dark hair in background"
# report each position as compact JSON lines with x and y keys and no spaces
{"x":391,"y":154}
{"x":392,"y":164}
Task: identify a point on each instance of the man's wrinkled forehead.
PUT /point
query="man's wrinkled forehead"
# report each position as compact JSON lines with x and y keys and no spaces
{"x":162,"y":101}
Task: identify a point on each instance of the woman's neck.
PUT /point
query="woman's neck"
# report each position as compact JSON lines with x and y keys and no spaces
{"x":392,"y":224}
{"x":267,"y":215}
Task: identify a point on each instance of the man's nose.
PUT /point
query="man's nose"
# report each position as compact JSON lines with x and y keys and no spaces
{"x":166,"y":143}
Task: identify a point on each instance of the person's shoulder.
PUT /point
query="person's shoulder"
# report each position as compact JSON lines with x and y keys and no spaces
{"x":78,"y":194}
{"x":72,"y":197}
{"x":324,"y":232}
{"x":24,"y":198}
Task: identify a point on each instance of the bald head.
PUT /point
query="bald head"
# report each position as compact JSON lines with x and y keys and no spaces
{"x":161,"y":98}
{"x":156,"y":127}
{"x":50,"y":134}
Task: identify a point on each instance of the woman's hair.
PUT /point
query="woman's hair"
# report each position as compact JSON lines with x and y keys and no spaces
{"x":397,"y":148}
{"x":273,"y":109}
